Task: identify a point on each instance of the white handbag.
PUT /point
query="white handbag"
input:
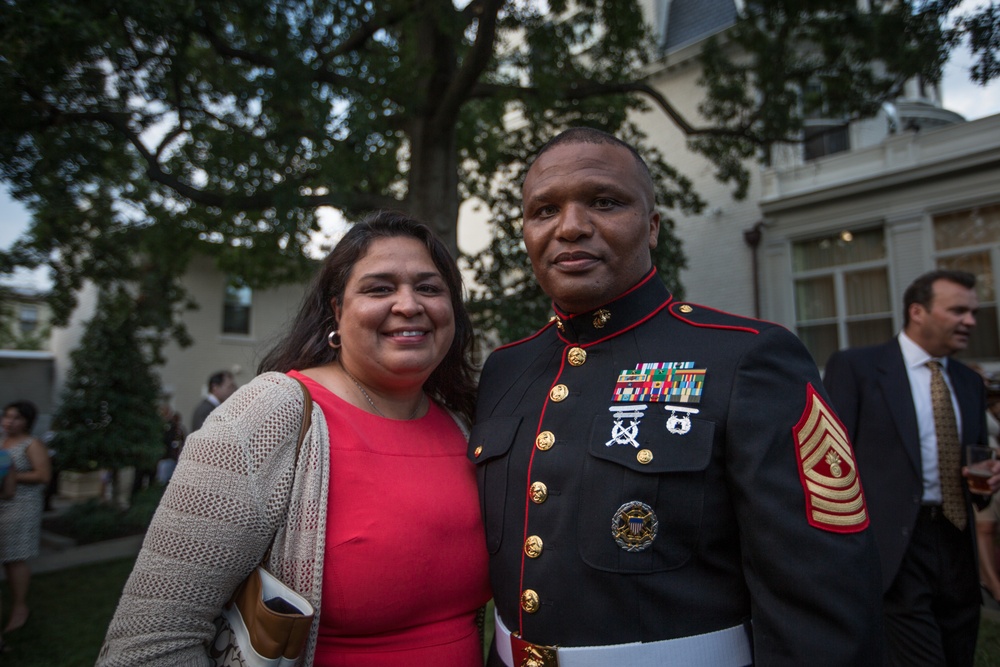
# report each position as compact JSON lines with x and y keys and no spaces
{"x":266,"y":624}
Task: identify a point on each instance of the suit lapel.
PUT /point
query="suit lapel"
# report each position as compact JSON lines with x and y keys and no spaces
{"x":967,"y":402}
{"x":895,"y":386}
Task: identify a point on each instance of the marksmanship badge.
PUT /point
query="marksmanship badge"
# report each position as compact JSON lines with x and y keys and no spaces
{"x":679,"y":424}
{"x":634,"y":526}
{"x":834,"y":500}
{"x":620,"y":433}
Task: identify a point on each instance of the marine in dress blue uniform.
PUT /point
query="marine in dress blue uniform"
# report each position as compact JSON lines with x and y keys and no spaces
{"x":652,"y":470}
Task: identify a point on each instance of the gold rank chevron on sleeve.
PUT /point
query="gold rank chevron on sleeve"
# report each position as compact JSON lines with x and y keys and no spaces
{"x":834,"y":499}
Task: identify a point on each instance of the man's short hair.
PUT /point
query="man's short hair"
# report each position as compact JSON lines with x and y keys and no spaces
{"x":921,"y":290}
{"x":217,"y":379}
{"x":590,"y":135}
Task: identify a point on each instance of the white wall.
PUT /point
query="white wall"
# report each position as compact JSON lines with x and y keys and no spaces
{"x":187,"y":369}
{"x":719,"y":272}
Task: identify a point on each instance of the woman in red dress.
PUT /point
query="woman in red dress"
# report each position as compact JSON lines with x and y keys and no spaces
{"x":381,"y":531}
{"x":405,"y":565}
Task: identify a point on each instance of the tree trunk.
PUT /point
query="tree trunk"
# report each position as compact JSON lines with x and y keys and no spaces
{"x":433,"y":182}
{"x":433,"y":195}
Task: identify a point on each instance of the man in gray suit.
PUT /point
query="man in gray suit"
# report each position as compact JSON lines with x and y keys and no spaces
{"x":221,"y":386}
{"x":908,"y":454}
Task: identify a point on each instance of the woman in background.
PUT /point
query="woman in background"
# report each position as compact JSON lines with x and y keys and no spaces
{"x":383,"y":533}
{"x":21,"y":516}
{"x":8,"y":486}
{"x":988,"y":518}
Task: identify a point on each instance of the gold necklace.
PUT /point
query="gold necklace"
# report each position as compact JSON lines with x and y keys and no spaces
{"x":371,"y":402}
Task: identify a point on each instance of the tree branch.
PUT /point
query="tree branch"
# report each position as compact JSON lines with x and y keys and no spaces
{"x":224,"y":49}
{"x":475,"y":63}
{"x":119,"y":122}
{"x":474,"y":10}
{"x":360,"y":37}
{"x":579,"y":92}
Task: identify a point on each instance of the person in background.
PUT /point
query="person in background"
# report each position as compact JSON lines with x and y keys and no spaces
{"x":662,"y":483}
{"x":909,"y":406}
{"x":8,"y":481}
{"x":8,"y":486}
{"x":221,"y":386}
{"x":988,"y":518}
{"x":21,"y":516}
{"x":382,"y":533}
{"x":173,"y":441}
{"x":52,"y":488}
{"x":993,"y":411}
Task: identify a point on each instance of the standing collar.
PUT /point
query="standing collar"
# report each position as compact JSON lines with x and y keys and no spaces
{"x":633,"y":307}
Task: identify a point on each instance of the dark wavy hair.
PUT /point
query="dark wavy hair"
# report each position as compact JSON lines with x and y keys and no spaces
{"x":452,"y":383}
{"x":26,"y":409}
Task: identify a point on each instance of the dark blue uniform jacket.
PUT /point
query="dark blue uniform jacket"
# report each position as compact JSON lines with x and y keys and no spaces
{"x":607,"y":529}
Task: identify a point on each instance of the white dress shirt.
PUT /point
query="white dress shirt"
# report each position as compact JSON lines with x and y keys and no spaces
{"x":915,"y":359}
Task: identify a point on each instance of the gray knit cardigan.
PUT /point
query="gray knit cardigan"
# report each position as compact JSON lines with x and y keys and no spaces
{"x":224,"y":502}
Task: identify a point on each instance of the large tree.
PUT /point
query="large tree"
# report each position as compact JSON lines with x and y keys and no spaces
{"x":139,"y":131}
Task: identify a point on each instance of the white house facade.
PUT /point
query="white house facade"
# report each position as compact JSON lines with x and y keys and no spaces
{"x":834,"y":230}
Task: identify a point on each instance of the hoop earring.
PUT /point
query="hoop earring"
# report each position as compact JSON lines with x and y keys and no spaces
{"x":333,"y":339}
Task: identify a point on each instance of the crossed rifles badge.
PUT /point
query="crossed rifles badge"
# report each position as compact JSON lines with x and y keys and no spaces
{"x":666,"y":382}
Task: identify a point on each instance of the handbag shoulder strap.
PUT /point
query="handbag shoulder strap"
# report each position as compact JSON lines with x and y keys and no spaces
{"x":306,"y":420}
{"x":303,"y":429}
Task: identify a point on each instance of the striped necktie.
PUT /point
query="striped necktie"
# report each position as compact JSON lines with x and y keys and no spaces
{"x":949,"y":451}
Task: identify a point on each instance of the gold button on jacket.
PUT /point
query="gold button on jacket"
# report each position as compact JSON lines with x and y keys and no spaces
{"x":539,"y":492}
{"x":545,"y":440}
{"x":533,"y":546}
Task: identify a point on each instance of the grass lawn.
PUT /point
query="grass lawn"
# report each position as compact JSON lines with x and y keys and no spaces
{"x":988,"y":649}
{"x":70,"y":612}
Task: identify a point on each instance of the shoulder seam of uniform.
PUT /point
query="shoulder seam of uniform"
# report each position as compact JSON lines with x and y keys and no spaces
{"x":730,"y":327}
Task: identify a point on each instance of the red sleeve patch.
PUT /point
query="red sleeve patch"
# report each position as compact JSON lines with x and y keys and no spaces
{"x":834,"y":500}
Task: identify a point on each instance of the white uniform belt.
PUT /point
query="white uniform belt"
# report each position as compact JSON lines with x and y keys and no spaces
{"x":723,"y":648}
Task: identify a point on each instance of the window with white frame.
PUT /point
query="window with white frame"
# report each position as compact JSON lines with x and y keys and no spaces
{"x":236,"y":309}
{"x":841,"y":285}
{"x":27,"y":317}
{"x":970,"y":241}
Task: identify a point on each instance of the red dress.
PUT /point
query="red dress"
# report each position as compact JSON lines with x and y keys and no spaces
{"x":405,"y":566}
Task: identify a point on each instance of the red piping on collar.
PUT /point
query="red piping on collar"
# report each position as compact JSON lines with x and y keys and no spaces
{"x":618,"y":333}
{"x":525,"y":340}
